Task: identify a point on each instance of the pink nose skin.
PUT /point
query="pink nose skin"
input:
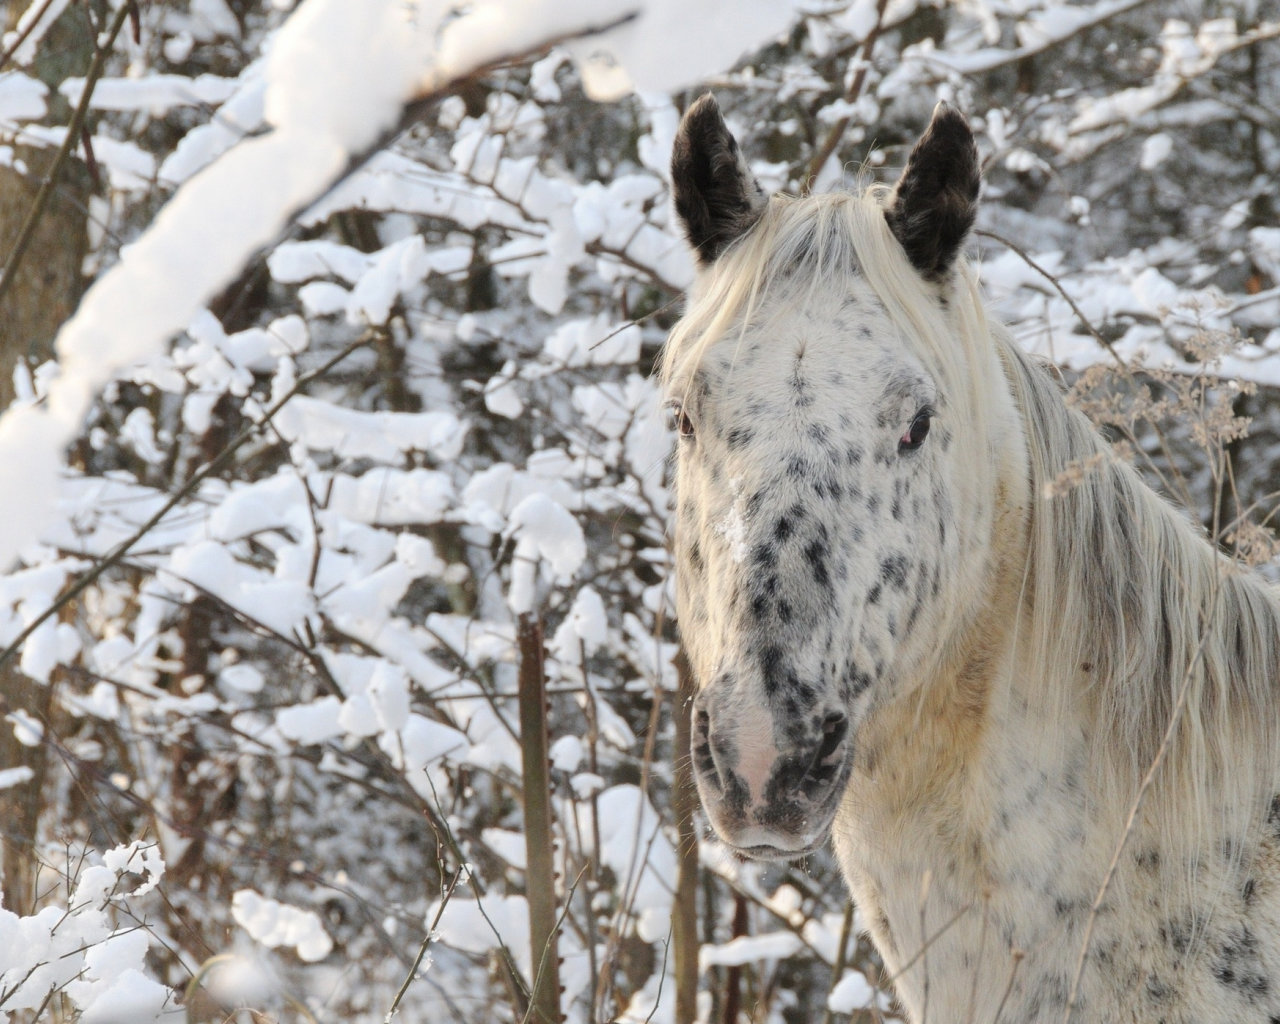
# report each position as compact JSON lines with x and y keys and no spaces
{"x":754,"y":737}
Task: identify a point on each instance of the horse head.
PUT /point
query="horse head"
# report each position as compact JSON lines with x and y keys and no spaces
{"x":834,"y":472}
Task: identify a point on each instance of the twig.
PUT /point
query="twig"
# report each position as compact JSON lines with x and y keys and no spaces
{"x":1121,"y":364}
{"x":517,"y":980}
{"x":422,"y":950}
{"x":219,"y":462}
{"x":22,"y":35}
{"x":549,"y":953}
{"x":637,"y":321}
{"x":662,"y":977}
{"x":1017,"y":956}
{"x":101,"y":51}
{"x":829,"y":144}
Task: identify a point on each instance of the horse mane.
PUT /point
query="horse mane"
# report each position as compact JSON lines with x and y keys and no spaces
{"x":1129,"y":593}
{"x":1129,"y":606}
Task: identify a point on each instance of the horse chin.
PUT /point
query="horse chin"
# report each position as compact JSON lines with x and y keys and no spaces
{"x":776,"y":853}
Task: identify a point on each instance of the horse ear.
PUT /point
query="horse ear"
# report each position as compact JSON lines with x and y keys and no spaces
{"x":716,"y":196}
{"x":936,"y":199}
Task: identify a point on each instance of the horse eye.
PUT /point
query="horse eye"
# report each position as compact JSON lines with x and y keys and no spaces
{"x":916,"y":433}
{"x":684,"y":424}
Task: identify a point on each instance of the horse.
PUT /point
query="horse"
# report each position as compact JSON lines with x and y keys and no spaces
{"x":1038,"y":724}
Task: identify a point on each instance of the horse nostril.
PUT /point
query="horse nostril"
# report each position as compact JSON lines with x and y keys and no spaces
{"x":704,"y":761}
{"x":820,"y":771}
{"x":833,"y":731}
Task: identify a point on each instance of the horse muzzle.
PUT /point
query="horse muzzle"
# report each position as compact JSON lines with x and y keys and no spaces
{"x":769,"y":803}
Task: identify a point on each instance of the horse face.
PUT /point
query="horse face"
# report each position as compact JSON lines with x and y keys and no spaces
{"x":814,"y":532}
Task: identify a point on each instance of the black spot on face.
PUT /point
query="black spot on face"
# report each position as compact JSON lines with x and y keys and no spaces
{"x":1238,"y":965}
{"x":893,"y":571}
{"x":816,"y":554}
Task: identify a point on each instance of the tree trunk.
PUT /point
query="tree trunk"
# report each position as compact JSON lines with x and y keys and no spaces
{"x":684,"y":912}
{"x":46,"y":289}
{"x":48,"y":281}
{"x":20,"y":805}
{"x":539,"y":876}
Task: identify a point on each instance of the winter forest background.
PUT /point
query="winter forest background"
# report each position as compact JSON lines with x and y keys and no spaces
{"x":377,"y":379}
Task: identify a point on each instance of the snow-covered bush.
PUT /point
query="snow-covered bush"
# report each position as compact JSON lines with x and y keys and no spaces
{"x":294,"y":693}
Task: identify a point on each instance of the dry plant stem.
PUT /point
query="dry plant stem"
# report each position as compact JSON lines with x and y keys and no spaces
{"x":1017,"y":955}
{"x":1120,"y":363}
{"x":101,"y":51}
{"x":819,"y":159}
{"x":426,"y":942}
{"x":924,"y":948}
{"x":842,"y":958}
{"x":544,"y":1003}
{"x":219,"y":462}
{"x":1174,"y":718}
{"x":982,"y":948}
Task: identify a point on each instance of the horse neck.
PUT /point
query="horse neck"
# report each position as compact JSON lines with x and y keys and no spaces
{"x":942,"y":725}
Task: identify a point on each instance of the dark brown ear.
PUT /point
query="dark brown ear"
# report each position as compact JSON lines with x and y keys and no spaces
{"x":715,"y":194}
{"x":936,"y":199}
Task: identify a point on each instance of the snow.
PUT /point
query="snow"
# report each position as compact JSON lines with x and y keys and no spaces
{"x":21,"y":98}
{"x":280,"y":605}
{"x":421,"y":742}
{"x":747,"y":948}
{"x":510,"y":846}
{"x":154,"y":93}
{"x":1156,"y":149}
{"x":242,"y":678}
{"x":77,"y":947}
{"x":593,"y":342}
{"x":567,"y":753}
{"x":323,"y":426}
{"x":310,"y":723}
{"x":293,"y":262}
{"x":27,"y":730}
{"x":544,"y":530}
{"x":633,"y":844}
{"x":392,"y":497}
{"x":131,"y":998}
{"x":276,"y":924}
{"x":853,"y":993}
{"x":129,"y":166}
{"x":585,"y":627}
{"x":336,"y":77}
{"x":11,"y":777}
{"x":464,"y":926}
{"x":47,"y":15}
{"x":1041,"y":29}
